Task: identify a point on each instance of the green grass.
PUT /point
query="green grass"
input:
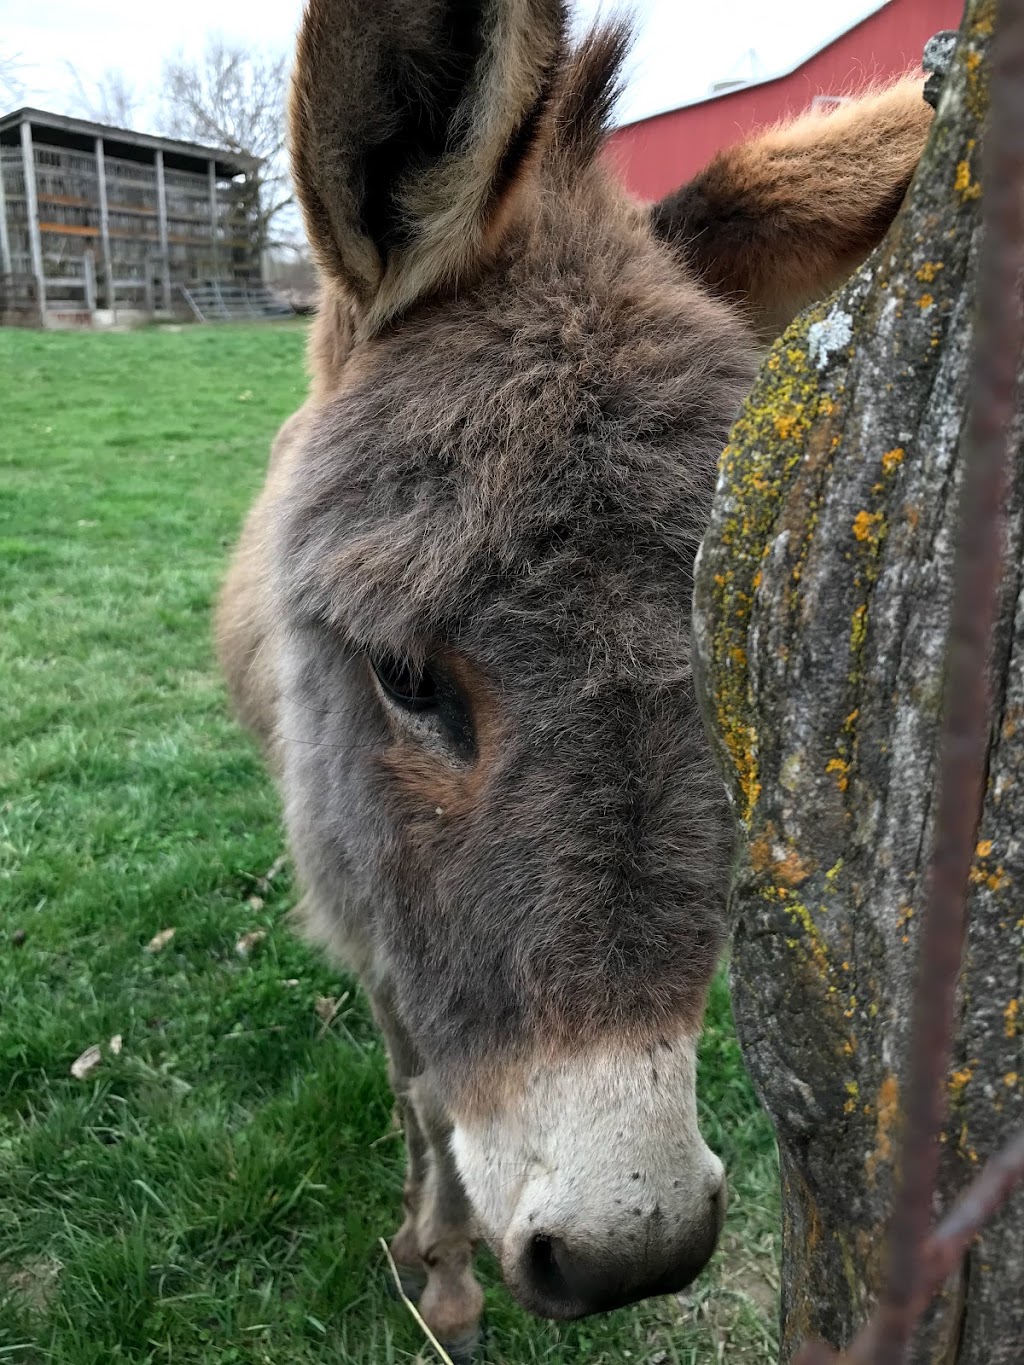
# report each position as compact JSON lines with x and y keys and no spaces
{"x":215,"y":1191}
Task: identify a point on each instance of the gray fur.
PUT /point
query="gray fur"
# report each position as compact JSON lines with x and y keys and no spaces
{"x":519,"y":395}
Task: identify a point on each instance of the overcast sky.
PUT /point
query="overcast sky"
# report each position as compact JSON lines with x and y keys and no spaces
{"x":683,"y":45}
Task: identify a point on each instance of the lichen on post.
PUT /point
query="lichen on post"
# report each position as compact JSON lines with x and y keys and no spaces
{"x":821,"y":616}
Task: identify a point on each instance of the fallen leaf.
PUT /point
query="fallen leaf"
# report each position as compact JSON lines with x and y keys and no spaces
{"x":327,"y":1007}
{"x":290,"y":981}
{"x":159,"y":941}
{"x":255,"y":902}
{"x":35,"y":1280}
{"x":115,"y":1044}
{"x":275,"y":867}
{"x":86,"y":1063}
{"x":248,"y":942}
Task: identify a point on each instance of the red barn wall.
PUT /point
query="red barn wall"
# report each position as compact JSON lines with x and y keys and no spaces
{"x":658,"y":154}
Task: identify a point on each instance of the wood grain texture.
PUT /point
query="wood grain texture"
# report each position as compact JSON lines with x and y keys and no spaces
{"x":821,"y":618}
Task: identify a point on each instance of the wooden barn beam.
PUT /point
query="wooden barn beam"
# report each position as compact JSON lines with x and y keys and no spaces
{"x":89,"y":279}
{"x":161,"y":197}
{"x":6,"y":264}
{"x":108,"y":264}
{"x":214,"y":215}
{"x":32,"y":208}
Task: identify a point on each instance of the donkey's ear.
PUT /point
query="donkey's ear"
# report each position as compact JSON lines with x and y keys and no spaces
{"x":410,"y":122}
{"x":779,"y":220}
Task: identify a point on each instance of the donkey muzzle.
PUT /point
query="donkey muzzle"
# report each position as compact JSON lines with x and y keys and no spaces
{"x":555,"y":1279}
{"x":591,"y":1181}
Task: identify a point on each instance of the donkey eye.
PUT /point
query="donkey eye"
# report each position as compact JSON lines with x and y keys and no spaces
{"x":407,"y":686}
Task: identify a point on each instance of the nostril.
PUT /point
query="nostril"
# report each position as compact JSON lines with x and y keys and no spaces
{"x":561,"y":1283}
{"x":541,"y":1263}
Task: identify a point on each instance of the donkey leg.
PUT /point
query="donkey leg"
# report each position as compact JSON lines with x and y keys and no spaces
{"x":452,"y":1300}
{"x":403,"y":1066}
{"x":433,"y":1249}
{"x":405,"y":1246}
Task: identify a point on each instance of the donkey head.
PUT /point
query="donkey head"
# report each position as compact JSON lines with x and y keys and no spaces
{"x":496,"y":782}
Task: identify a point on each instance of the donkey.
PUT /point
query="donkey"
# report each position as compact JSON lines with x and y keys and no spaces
{"x":458,"y":616}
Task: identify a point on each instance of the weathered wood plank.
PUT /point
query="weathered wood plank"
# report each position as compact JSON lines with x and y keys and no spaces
{"x":821,"y":616}
{"x":165,"y":265}
{"x":32,"y":208}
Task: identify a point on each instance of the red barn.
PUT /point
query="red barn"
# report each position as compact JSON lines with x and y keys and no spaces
{"x":655,"y":155}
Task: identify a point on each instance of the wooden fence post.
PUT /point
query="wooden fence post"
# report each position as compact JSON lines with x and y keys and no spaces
{"x":821,"y":618}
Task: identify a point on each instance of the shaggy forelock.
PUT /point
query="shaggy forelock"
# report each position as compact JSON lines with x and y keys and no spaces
{"x":536,"y":459}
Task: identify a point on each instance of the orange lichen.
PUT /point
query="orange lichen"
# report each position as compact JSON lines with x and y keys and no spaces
{"x":981,"y":876}
{"x":865,"y":524}
{"x":902,"y":921}
{"x":928,"y":272}
{"x":964,"y":184}
{"x":892,"y":459}
{"x":1011,"y":1016}
{"x":785,"y":424}
{"x":960,"y":1080}
{"x":888,"y":1108}
{"x":925,"y":301}
{"x":784,"y":866}
{"x":842,"y":768}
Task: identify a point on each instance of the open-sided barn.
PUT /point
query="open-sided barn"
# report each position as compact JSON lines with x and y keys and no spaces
{"x":99,"y":222}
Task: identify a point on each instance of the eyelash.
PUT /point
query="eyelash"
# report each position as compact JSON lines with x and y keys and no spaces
{"x":413,"y":689}
{"x":428,"y":692}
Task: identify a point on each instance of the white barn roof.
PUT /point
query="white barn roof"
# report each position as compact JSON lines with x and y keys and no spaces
{"x":779,"y":37}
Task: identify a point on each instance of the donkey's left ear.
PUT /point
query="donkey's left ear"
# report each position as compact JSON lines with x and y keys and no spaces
{"x":410,"y":122}
{"x":779,"y":220}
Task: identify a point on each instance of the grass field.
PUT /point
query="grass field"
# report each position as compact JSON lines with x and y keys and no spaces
{"x":213,"y":1191}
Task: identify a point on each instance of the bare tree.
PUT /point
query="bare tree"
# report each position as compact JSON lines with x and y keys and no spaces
{"x":234,"y":97}
{"x":110,"y":98}
{"x":12,"y":87}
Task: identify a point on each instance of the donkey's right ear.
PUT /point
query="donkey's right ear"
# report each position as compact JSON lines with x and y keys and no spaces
{"x":411,"y":121}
